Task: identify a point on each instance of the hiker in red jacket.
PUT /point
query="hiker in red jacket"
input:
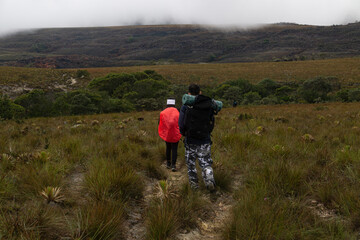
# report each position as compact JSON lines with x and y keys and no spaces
{"x":170,"y":133}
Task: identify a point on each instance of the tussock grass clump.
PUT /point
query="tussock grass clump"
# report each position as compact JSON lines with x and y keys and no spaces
{"x":71,"y":148}
{"x":162,"y":217}
{"x":34,"y":178}
{"x":173,"y":209}
{"x":109,"y":180}
{"x":35,"y":220}
{"x":7,"y":187}
{"x":99,"y":221}
{"x":223,"y":177}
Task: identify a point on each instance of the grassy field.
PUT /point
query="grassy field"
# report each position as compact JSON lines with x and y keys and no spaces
{"x":290,"y":171}
{"x":347,"y":70}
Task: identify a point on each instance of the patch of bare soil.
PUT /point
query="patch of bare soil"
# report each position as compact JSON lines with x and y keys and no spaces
{"x":320,"y":210}
{"x":221,"y":205}
{"x":212,"y":227}
{"x":135,"y":226}
{"x":74,"y":185}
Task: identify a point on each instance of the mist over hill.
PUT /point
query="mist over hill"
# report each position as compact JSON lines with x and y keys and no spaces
{"x":166,"y":44}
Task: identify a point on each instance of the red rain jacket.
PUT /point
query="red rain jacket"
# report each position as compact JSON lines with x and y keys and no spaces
{"x":169,"y":125}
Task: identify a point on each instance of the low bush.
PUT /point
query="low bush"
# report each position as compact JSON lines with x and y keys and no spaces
{"x":36,"y":103}
{"x":315,"y":90}
{"x":10,"y":110}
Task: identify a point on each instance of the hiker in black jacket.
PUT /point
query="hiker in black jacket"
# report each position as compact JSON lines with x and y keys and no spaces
{"x":196,"y":124}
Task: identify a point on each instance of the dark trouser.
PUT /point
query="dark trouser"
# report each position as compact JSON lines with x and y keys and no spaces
{"x":171,"y":153}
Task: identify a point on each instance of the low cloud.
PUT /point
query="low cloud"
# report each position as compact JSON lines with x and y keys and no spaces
{"x":32,"y":14}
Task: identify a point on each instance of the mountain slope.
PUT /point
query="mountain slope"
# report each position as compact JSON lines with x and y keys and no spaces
{"x":144,"y":45}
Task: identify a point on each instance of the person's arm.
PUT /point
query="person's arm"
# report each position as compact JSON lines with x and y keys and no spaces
{"x":212,"y":120}
{"x":182,"y":120}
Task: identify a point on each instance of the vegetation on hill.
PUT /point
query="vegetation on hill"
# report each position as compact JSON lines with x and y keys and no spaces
{"x":15,"y":80}
{"x":149,"y":90}
{"x":167,"y":44}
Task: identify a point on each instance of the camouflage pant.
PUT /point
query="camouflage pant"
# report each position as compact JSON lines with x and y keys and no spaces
{"x":203,"y":154}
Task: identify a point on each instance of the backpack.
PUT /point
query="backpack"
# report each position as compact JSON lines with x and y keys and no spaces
{"x":199,"y":118}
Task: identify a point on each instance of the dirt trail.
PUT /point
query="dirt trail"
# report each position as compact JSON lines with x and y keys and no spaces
{"x":135,"y":226}
{"x":74,"y":185}
{"x":212,"y":227}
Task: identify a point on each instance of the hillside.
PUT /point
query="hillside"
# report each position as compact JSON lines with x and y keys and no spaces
{"x":14,"y":81}
{"x":149,"y":45}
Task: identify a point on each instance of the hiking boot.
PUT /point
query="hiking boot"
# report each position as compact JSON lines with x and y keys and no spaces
{"x":173,"y":168}
{"x":211,"y":187}
{"x":168,"y":165}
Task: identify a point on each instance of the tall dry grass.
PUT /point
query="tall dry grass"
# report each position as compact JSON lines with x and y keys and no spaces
{"x":293,"y":157}
{"x":345,"y":69}
{"x":296,"y":168}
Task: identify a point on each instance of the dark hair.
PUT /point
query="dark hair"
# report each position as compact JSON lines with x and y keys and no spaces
{"x":194,"y":89}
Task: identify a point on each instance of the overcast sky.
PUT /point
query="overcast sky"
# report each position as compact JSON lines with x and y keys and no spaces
{"x":30,"y":14}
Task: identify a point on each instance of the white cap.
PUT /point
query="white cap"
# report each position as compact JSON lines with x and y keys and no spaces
{"x":170,"y":102}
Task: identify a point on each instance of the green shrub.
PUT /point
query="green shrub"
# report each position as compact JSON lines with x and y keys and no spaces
{"x":150,"y":103}
{"x":17,"y":111}
{"x":343,"y":94}
{"x":131,"y":96}
{"x":284,"y":94}
{"x":151,"y":94}
{"x":269,"y":100}
{"x":140,"y":76}
{"x":315,"y":90}
{"x":122,"y":89}
{"x":269,"y":87}
{"x":81,"y":104}
{"x":243,"y":84}
{"x":116,"y":105}
{"x":354,"y":95}
{"x":251,"y":98}
{"x":78,"y":102}
{"x":220,"y":90}
{"x":233,"y":93}
{"x":177,"y":92}
{"x":82,"y":73}
{"x":9,"y":110}
{"x":150,"y":88}
{"x":111,"y":82}
{"x":36,"y":103}
{"x":154,"y":75}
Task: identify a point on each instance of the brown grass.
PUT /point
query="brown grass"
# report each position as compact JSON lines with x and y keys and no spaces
{"x":281,"y":174}
{"x":347,"y":70}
